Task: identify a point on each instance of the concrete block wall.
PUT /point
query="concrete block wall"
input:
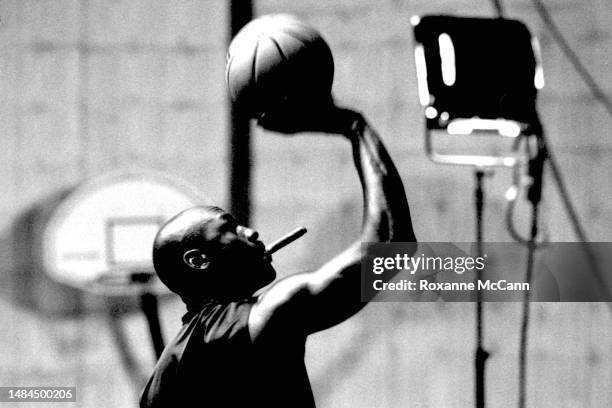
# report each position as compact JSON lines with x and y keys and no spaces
{"x":95,"y":85}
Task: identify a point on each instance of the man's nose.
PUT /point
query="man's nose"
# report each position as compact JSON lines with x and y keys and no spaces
{"x":248,"y":233}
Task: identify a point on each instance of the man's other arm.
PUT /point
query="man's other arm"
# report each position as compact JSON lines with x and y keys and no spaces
{"x":308,"y":302}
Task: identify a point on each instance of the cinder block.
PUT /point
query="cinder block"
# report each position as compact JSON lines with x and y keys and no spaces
{"x":366,"y":75}
{"x":198,"y":23}
{"x":198,"y":77}
{"x":575,"y":122}
{"x":48,"y":78}
{"x":10,"y":24}
{"x":125,"y":22}
{"x":139,"y":131}
{"x":400,"y":125}
{"x":363,"y":29}
{"x":56,"y":21}
{"x":48,"y":137}
{"x":141,"y":75}
{"x":102,"y":90}
{"x":195,"y":133}
{"x":129,"y":136}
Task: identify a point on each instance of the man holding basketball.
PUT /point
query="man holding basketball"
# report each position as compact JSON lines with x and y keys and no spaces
{"x":236,"y":349}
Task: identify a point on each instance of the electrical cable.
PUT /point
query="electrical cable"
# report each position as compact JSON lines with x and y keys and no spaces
{"x":586,"y":76}
{"x":512,"y":195}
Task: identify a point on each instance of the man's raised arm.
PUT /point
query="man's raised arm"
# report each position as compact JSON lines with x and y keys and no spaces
{"x":309,"y":302}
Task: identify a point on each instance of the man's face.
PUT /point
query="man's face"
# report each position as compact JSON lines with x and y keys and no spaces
{"x":236,"y":252}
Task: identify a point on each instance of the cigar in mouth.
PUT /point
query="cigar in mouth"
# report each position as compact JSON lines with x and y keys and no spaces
{"x":286,"y":240}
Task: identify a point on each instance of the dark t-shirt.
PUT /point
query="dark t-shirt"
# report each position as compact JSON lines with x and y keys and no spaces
{"x":212,"y":362}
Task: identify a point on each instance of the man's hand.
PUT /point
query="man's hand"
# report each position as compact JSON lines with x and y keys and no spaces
{"x":323,"y":116}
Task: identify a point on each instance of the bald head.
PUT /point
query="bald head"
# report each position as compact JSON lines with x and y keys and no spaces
{"x":203,"y":252}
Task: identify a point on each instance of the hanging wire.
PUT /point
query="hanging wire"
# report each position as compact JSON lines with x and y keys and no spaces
{"x":525,"y":316}
{"x":595,"y":89}
{"x":537,"y":159}
{"x":534,"y":195}
{"x":512,"y":195}
{"x":499,"y":8}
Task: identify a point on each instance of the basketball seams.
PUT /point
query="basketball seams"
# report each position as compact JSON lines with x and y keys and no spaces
{"x":284,"y":59}
{"x":253,"y":78}
{"x":278,"y":48}
{"x":305,"y":35}
{"x":228,"y":66}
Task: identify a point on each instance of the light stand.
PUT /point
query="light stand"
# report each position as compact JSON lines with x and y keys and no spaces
{"x":481,"y":354}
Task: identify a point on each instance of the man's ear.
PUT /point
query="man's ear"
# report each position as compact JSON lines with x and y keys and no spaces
{"x":194,"y":258}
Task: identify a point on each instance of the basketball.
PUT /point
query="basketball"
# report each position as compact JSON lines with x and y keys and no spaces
{"x":276,"y":59}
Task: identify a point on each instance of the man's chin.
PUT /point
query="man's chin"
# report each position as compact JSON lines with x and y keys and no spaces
{"x":269,"y":275}
{"x":260,"y":276}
